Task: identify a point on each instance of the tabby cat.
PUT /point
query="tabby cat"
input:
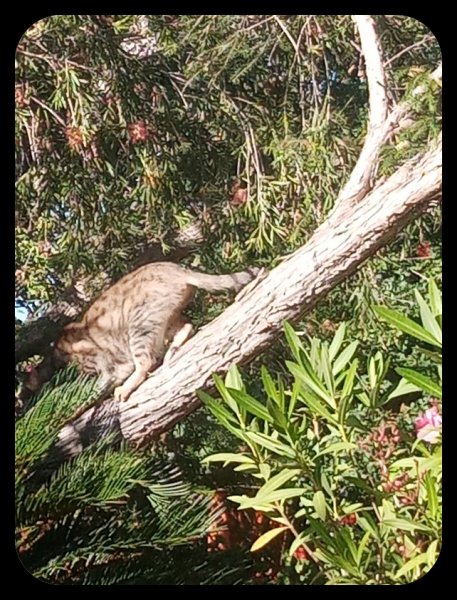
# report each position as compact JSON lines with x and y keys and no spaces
{"x":125,"y":332}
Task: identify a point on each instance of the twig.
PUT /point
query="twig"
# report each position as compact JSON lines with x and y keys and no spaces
{"x":426,"y":39}
{"x":289,"y":36}
{"x":52,"y":112}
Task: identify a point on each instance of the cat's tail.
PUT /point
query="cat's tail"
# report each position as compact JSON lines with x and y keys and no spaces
{"x":218,"y":283}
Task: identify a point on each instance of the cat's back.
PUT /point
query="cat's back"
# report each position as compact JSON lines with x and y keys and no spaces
{"x":157,"y":284}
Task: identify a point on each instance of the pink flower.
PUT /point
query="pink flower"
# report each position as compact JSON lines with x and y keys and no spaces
{"x":428,"y":425}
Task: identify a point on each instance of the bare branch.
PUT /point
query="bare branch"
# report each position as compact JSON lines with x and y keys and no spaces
{"x":381,"y":125}
{"x":362,"y":175}
{"x":49,"y":109}
{"x":427,"y":38}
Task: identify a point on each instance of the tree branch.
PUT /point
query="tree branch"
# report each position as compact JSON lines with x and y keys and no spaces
{"x":362,"y":175}
{"x":250,"y":325}
{"x":381,"y":124}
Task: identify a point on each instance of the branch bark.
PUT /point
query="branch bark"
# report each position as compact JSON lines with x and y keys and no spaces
{"x":249,"y":325}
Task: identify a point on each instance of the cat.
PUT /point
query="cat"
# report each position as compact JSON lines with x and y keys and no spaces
{"x":124,"y":334}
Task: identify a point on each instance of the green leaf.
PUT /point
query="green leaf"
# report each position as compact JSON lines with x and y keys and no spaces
{"x":406,"y":525}
{"x":269,"y":386}
{"x":294,"y":396}
{"x":346,"y":394}
{"x":293,"y":341}
{"x":248,"y":468}
{"x":279,"y":418}
{"x":317,"y":527}
{"x":345,"y":535}
{"x":362,"y":545}
{"x":435,"y":298}
{"x":224,"y":417}
{"x":337,"y":341}
{"x":227,"y":457}
{"x":337,"y":447}
{"x":265,"y":471}
{"x":320,"y":505}
{"x":326,"y":371}
{"x":233,"y":378}
{"x":226,"y":396}
{"x":432,"y":463}
{"x":432,"y":553}
{"x":403,"y":388}
{"x":317,"y":407}
{"x":432,"y":495}
{"x":345,"y":356}
{"x":413,"y":563}
{"x":252,"y":405}
{"x":277,"y":481}
{"x":266,"y":537}
{"x":428,"y":320}
{"x":349,"y":379}
{"x":218,"y":410}
{"x":372,"y":372}
{"x":310,"y":379}
{"x":422,"y":381}
{"x":267,"y":442}
{"x":368,"y":524}
{"x":267,"y":501}
{"x":405,"y":324}
{"x":350,"y":508}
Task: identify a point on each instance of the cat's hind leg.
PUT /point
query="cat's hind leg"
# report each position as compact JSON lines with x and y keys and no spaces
{"x":146,"y":346}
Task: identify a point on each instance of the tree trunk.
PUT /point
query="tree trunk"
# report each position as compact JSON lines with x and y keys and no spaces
{"x":353,"y":232}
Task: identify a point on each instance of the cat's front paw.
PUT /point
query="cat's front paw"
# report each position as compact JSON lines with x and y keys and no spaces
{"x":121,"y":393}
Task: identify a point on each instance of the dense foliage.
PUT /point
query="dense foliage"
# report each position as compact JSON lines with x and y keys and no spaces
{"x":128,"y":130}
{"x":350,"y":484}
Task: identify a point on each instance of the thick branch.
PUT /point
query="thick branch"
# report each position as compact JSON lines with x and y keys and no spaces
{"x":249,"y":325}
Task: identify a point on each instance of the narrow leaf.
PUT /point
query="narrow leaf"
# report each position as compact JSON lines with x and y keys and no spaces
{"x":432,"y":496}
{"x":233,"y":378}
{"x":406,"y":525}
{"x":310,"y":379}
{"x":337,"y":341}
{"x":337,"y":447}
{"x":405,"y":324}
{"x":226,"y":396}
{"x":422,"y":381}
{"x":269,"y":385}
{"x":277,"y":481}
{"x":266,"y":538}
{"x":413,"y":563}
{"x":345,"y":356}
{"x":293,"y":341}
{"x":319,"y":505}
{"x":435,"y":298}
{"x":428,"y":320}
{"x":273,"y":445}
{"x":403,"y":388}
{"x":228,"y":457}
{"x":252,"y":405}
